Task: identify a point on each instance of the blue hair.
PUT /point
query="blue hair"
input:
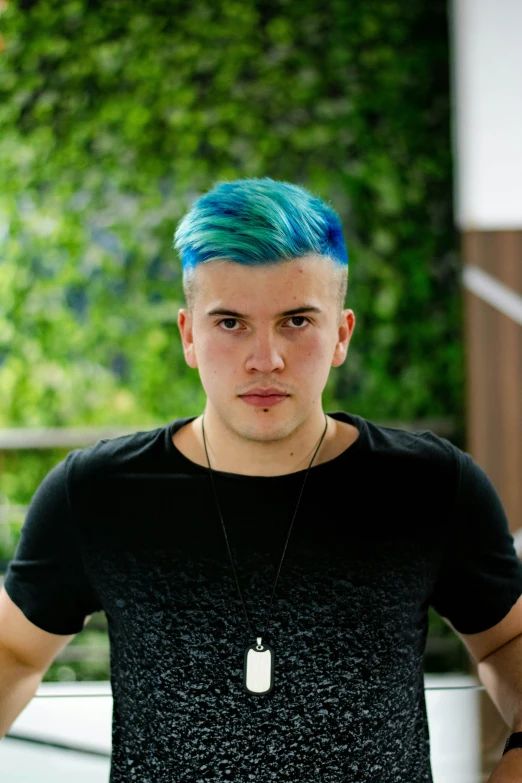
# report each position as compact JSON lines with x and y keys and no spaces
{"x":258,"y":221}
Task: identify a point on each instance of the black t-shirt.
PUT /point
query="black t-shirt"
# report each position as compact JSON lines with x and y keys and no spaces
{"x":395,"y":523}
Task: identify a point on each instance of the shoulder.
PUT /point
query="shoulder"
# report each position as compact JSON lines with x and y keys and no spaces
{"x":416,"y":460}
{"x":133,"y":452}
{"x":422,"y":444}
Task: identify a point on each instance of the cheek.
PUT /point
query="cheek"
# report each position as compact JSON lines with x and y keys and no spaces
{"x":218,"y":354}
{"x":315,"y":343}
{"x":310,"y":353}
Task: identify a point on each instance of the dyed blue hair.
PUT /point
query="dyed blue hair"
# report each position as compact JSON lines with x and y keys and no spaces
{"x":258,"y":221}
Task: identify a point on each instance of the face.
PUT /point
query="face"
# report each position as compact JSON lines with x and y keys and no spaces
{"x":259,"y":346}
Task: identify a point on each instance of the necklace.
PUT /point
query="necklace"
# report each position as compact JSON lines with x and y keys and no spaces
{"x":258,"y":665}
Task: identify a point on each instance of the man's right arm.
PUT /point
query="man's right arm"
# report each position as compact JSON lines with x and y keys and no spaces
{"x":26,"y":652}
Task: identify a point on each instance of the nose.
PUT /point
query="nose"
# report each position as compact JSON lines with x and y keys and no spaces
{"x":264,"y":354}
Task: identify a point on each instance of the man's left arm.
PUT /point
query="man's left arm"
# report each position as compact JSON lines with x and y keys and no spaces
{"x":498,"y":653}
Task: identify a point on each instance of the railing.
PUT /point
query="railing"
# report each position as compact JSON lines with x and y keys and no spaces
{"x":78,"y":437}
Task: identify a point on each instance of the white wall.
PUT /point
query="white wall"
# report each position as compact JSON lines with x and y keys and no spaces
{"x":486,"y":65}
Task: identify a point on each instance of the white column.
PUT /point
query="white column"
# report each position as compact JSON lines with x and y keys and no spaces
{"x":487,"y":113}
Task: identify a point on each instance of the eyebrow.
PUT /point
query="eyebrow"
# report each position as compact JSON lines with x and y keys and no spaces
{"x":294,"y":311}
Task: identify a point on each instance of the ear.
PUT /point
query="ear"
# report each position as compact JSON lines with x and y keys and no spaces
{"x":187,"y":338}
{"x":346,"y":327}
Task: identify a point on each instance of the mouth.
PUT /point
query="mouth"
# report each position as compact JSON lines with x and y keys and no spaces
{"x":264,"y":399}
{"x":264,"y":394}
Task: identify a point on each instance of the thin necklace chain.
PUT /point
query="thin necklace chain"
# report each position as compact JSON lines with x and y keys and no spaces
{"x":289,"y":531}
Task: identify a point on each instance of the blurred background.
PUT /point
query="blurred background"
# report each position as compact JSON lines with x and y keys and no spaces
{"x":114,"y":117}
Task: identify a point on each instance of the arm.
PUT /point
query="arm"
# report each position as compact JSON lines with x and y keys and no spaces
{"x":26,"y":652}
{"x":479,"y":588}
{"x":498,"y":654}
{"x":18,"y":684}
{"x":501,"y":674}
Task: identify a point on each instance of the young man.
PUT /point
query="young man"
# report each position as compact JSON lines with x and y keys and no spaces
{"x":266,"y":569}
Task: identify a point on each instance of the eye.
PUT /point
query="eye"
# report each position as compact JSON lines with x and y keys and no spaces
{"x":300,"y":317}
{"x":234,"y":320}
{"x":228,"y":320}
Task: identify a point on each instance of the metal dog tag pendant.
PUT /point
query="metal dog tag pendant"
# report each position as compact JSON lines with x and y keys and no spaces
{"x":259,"y":668}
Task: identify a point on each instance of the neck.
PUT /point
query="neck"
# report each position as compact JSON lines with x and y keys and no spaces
{"x":271,"y":453}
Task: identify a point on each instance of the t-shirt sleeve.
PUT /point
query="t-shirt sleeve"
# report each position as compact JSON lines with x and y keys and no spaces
{"x":480,"y":578}
{"x":46,"y":578}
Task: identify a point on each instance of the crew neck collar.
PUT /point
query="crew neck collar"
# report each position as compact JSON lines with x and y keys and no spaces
{"x":186,"y":465}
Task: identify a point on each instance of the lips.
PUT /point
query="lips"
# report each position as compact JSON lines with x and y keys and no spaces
{"x":272,"y":391}
{"x":264,"y":395}
{"x":264,"y":399}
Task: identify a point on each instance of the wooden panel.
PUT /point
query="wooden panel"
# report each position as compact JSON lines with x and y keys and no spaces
{"x":494,"y":409}
{"x":494,"y":368}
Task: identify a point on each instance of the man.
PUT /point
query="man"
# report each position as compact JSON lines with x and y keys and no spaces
{"x":266,"y":569}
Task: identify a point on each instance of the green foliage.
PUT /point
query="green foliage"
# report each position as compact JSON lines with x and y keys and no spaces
{"x":93,"y":661}
{"x":115,"y":116}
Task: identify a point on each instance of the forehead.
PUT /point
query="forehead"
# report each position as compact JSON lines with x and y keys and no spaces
{"x":279,"y":281}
